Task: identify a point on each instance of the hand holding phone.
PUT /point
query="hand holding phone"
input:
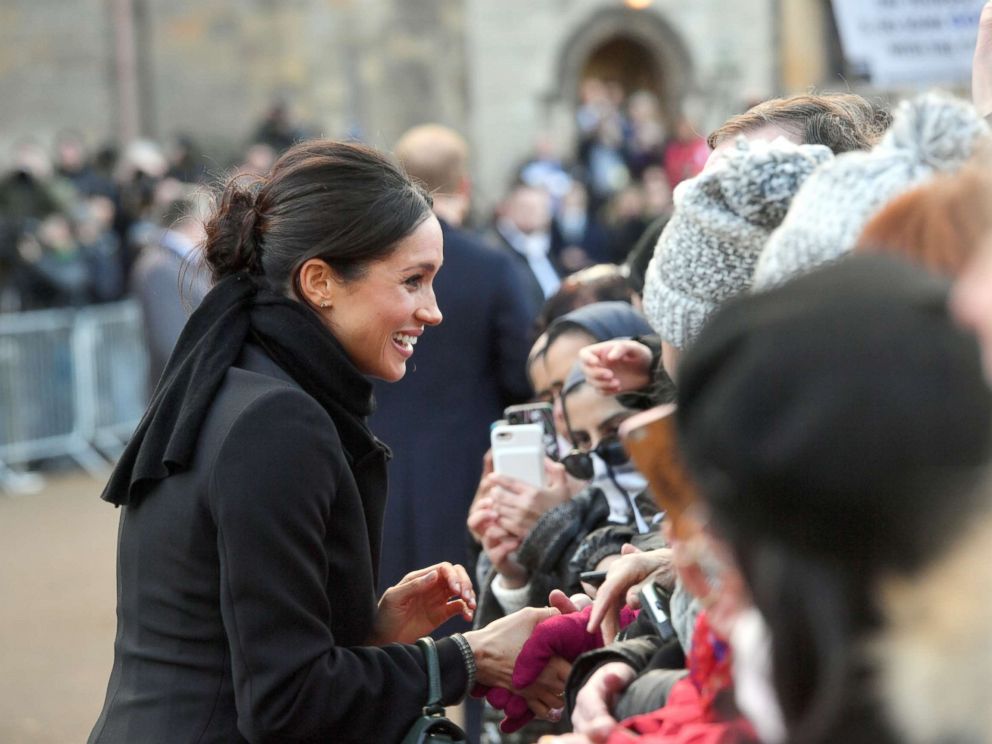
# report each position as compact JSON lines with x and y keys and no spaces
{"x":536,"y":413}
{"x":652,"y":604}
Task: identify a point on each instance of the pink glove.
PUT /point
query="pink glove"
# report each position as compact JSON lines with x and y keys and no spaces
{"x":562,"y":635}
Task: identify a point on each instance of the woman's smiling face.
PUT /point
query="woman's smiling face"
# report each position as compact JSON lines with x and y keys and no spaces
{"x":379,"y":317}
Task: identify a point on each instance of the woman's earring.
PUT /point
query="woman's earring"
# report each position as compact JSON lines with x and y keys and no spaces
{"x":325,"y":303}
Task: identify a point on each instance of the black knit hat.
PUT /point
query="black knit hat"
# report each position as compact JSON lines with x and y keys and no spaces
{"x":843,"y":413}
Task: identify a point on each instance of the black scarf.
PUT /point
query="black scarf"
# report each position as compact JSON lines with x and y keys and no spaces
{"x":238,"y":308}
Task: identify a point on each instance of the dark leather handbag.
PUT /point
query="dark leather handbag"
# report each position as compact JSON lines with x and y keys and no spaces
{"x":432,"y":727}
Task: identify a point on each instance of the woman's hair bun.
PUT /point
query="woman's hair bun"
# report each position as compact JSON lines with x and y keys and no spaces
{"x":232,"y":234}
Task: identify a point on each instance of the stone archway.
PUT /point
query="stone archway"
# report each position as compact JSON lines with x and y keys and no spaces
{"x":637,"y":48}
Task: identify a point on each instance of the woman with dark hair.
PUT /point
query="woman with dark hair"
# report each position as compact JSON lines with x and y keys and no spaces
{"x":252,"y":493}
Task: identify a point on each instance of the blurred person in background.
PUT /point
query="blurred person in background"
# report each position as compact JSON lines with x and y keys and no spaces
{"x":73,"y":163}
{"x":138,"y":172}
{"x":524,"y":230}
{"x":584,"y":240}
{"x":466,"y":371}
{"x":279,"y":128}
{"x":625,"y":217}
{"x":169,"y":279}
{"x":30,"y":190}
{"x":545,"y":170}
{"x":685,"y":153}
{"x":186,"y":161}
{"x":646,"y":137}
{"x":93,"y":218}
{"x":258,"y":159}
{"x":599,"y":283}
{"x":603,"y":131}
{"x":52,"y":271}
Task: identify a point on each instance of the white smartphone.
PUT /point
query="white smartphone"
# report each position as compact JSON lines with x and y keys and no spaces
{"x":518,"y":451}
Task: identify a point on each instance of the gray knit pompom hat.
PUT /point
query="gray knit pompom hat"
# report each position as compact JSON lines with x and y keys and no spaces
{"x":707,"y":252}
{"x":930,"y":134}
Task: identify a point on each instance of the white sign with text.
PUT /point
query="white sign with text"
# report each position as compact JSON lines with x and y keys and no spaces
{"x":909,"y":43}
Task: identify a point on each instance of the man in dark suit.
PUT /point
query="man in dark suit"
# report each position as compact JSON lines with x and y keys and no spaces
{"x":436,"y":419}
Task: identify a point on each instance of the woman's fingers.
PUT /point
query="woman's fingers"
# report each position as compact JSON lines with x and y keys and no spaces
{"x":459,"y":606}
{"x":453,"y":578}
{"x":465,"y":582}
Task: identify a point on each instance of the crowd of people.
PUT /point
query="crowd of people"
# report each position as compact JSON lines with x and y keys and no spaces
{"x":767,"y":355}
{"x":816,"y":342}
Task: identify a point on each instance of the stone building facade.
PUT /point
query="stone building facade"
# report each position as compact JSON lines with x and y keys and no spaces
{"x":502,"y":71}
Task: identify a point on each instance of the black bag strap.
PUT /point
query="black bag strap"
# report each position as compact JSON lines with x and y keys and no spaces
{"x":433,"y":707}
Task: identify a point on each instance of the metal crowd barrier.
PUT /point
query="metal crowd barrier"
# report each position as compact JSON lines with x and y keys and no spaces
{"x":72,"y":384}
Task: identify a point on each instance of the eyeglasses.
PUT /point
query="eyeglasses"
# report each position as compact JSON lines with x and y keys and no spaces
{"x":578,"y":463}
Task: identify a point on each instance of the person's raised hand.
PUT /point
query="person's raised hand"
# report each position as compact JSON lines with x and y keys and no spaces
{"x":616,"y":366}
{"x":593,"y":714}
{"x":500,"y":547}
{"x":624,"y":579}
{"x":480,"y":514}
{"x":518,"y":505}
{"x":981,"y":68}
{"x":421,"y":601}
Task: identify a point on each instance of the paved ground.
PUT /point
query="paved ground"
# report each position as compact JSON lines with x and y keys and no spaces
{"x":56,"y":611}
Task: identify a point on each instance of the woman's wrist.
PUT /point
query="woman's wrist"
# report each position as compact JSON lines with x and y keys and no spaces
{"x":478,"y":643}
{"x":468,"y":656}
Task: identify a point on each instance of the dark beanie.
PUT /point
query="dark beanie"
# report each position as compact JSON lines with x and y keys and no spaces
{"x":603,"y":321}
{"x":843,"y":414}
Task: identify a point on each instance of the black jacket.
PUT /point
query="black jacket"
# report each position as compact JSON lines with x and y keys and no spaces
{"x":246,"y":585}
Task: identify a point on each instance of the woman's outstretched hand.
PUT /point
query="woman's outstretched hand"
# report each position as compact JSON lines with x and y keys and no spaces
{"x":497,"y":645}
{"x":421,"y":602}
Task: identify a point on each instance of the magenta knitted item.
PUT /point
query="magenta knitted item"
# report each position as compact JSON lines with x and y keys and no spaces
{"x":564,"y":636}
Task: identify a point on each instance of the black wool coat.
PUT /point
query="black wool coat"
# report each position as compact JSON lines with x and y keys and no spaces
{"x":246,"y":585}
